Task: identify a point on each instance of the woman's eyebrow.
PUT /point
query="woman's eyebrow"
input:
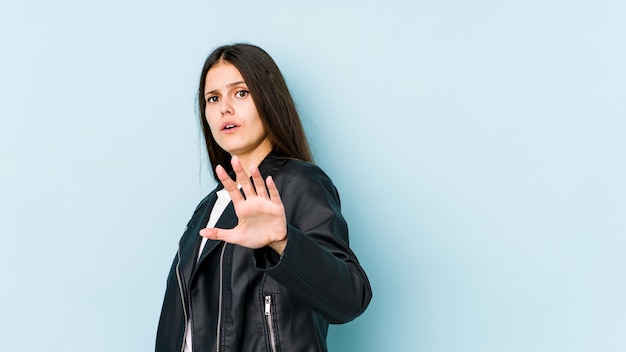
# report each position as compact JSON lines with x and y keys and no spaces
{"x":228,"y":85}
{"x":235,"y":83}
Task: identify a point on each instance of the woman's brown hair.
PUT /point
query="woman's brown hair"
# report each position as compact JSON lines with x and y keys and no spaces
{"x":271,"y":97}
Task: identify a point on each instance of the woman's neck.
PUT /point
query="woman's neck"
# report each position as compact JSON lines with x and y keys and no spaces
{"x":255,"y":157}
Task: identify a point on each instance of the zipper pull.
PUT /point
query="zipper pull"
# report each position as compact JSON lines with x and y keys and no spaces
{"x":268,"y":303}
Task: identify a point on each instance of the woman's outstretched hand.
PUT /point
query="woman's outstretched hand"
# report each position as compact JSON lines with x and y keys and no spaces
{"x":261,"y":214}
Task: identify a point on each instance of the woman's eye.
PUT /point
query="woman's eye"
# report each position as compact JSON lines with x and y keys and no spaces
{"x":242,"y":93}
{"x":212,"y":99}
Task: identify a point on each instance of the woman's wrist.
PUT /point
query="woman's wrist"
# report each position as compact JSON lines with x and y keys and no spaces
{"x":279,"y":246}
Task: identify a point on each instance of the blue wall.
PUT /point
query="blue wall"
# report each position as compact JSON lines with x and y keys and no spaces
{"x":479,"y":147}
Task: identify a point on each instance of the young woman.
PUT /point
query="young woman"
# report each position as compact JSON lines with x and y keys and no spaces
{"x":264,"y":263}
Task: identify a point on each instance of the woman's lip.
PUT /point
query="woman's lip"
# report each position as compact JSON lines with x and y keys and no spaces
{"x":229,"y":126}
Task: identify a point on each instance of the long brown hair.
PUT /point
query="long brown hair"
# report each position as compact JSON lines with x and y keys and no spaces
{"x":271,"y":97}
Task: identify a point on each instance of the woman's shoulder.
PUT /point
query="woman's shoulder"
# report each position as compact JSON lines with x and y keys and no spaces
{"x":297,"y":169}
{"x":207,"y":199}
{"x":297,"y":177}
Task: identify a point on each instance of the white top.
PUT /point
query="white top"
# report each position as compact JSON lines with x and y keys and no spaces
{"x":223,"y":198}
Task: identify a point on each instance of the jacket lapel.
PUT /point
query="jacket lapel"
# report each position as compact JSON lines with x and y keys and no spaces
{"x":227,"y":220}
{"x":190,"y":242}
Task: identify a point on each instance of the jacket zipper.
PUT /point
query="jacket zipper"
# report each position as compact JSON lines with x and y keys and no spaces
{"x":219,"y":305}
{"x":182,"y":298}
{"x":270,"y":325}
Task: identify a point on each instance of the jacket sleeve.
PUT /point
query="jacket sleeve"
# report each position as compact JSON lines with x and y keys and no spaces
{"x":317,"y":265}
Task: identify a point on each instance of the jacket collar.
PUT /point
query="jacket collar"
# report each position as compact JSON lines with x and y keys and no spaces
{"x":270,"y":165}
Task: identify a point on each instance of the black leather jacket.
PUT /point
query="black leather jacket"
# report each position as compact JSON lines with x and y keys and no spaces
{"x":239,"y":299}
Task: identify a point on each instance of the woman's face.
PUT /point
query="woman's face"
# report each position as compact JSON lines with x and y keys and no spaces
{"x":231,"y":114}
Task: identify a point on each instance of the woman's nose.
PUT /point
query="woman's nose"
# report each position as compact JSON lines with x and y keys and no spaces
{"x":226,"y":107}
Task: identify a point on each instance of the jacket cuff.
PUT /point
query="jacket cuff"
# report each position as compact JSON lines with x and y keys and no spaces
{"x":267,"y":259}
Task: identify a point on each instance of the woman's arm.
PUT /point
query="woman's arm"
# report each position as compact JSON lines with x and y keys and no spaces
{"x":301,"y":240}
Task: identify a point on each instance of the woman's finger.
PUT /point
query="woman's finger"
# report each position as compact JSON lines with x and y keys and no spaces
{"x":259,"y":185}
{"x":229,"y":184}
{"x":273,"y":190}
{"x":242,"y":178}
